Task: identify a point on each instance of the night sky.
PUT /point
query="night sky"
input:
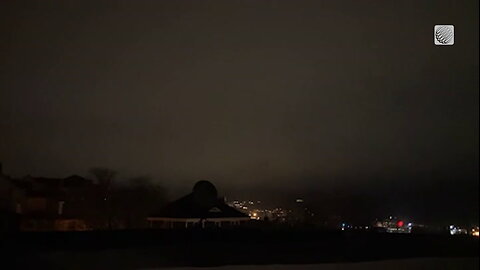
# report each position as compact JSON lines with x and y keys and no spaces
{"x":348,"y":103}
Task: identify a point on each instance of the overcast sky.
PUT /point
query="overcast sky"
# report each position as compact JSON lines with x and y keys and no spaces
{"x":300,"y":95}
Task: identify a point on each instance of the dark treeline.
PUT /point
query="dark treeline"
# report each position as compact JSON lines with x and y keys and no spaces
{"x":115,"y":204}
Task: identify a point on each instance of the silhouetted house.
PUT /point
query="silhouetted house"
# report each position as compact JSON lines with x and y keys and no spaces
{"x":11,"y":199}
{"x":202,"y":208}
{"x":54,"y":203}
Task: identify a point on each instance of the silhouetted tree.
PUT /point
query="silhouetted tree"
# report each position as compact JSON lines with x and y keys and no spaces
{"x":104,"y":178}
{"x":135,"y":200}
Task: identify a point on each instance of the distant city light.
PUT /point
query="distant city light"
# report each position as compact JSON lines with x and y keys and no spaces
{"x":454,"y":230}
{"x":394,"y":225}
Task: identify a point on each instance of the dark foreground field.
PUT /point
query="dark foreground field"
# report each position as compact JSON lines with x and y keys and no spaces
{"x":155,"y":249}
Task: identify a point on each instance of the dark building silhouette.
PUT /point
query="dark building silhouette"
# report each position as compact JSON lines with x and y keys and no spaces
{"x":54,"y":203}
{"x":45,"y":204}
{"x":11,"y":198}
{"x":202,"y":208}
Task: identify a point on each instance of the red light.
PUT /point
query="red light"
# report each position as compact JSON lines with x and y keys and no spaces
{"x":400,"y":223}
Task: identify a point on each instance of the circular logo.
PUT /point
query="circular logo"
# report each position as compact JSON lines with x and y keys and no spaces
{"x":444,"y":34}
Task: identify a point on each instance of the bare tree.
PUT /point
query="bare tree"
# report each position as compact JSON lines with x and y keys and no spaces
{"x":104,"y":177}
{"x":135,"y":200}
